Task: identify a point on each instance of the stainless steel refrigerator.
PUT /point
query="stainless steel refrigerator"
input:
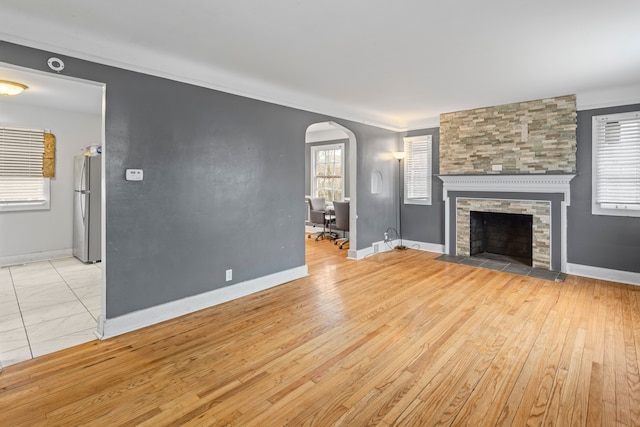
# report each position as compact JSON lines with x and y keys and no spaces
{"x":87,"y":211}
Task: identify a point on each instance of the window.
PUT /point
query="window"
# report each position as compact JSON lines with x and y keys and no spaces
{"x":616,"y":164}
{"x":327,"y":169}
{"x":417,"y":170}
{"x":22,"y":185}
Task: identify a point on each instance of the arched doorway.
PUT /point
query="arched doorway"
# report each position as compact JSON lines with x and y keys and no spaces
{"x":328,"y":132}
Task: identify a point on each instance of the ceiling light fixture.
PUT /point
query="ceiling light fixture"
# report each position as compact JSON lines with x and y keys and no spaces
{"x":8,"y":88}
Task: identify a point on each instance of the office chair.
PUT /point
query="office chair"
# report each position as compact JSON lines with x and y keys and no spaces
{"x":342,"y":221}
{"x":318,"y":215}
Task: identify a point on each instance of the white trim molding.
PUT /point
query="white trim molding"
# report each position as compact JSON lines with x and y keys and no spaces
{"x":381,"y":246}
{"x":375,"y":248}
{"x":424,"y":246}
{"x":600,"y":273}
{"x":524,"y":183}
{"x":112,"y":327}
{"x":34,"y":257}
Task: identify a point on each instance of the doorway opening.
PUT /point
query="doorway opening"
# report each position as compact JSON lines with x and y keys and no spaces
{"x":57,"y":300}
{"x":331,"y":170}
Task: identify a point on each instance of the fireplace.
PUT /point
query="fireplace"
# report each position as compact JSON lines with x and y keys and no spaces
{"x":507,"y":235}
{"x":544,"y":197}
{"x":539,"y":210}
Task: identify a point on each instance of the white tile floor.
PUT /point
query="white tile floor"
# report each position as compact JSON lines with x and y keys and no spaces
{"x":47,"y":306}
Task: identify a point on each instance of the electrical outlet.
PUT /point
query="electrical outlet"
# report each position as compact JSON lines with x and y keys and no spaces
{"x":229,"y":274}
{"x":386,"y":237}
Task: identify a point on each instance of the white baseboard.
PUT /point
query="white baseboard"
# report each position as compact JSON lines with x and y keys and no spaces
{"x":382,"y":246}
{"x":108,"y":328}
{"x":423,"y":246}
{"x":6,"y":261}
{"x":604,"y":274}
{"x":376,"y":247}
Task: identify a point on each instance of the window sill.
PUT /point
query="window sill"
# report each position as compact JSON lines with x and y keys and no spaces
{"x":597,"y":210}
{"x":18,"y":207}
{"x":417,"y":202}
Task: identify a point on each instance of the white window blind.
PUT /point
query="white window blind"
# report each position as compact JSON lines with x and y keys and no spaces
{"x":417,"y":170}
{"x":21,"y":160}
{"x":616,"y":163}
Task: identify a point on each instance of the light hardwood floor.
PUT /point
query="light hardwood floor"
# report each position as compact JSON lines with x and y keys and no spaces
{"x":395,"y":339}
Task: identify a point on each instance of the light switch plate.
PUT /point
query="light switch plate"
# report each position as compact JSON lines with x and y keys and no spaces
{"x":134,"y":175}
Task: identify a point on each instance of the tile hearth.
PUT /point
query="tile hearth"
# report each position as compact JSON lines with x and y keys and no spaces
{"x":504,"y":266}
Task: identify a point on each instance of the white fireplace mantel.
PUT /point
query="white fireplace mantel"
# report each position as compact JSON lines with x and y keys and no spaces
{"x":524,"y":183}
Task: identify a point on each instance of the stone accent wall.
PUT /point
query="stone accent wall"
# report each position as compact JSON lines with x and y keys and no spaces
{"x":541,"y":211}
{"x":525,"y":137}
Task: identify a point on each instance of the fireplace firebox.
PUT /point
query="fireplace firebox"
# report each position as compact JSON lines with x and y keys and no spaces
{"x":505,"y":234}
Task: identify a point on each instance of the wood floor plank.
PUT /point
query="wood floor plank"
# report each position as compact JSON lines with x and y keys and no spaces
{"x":544,"y":386}
{"x":457,"y":371}
{"x":632,"y":356}
{"x":395,"y":339}
{"x":622,"y":393}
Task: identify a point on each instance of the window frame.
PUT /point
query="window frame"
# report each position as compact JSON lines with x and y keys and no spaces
{"x":428,"y":179}
{"x":596,"y":207}
{"x":324,"y":147}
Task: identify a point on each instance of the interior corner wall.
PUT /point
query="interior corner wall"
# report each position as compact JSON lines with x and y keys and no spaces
{"x":426,"y":223}
{"x":223,"y":183}
{"x":376,"y":212}
{"x":611,"y":242}
{"x":29,"y":233}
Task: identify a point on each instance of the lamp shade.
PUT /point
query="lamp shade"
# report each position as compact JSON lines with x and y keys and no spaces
{"x":399,"y":155}
{"x":8,"y":88}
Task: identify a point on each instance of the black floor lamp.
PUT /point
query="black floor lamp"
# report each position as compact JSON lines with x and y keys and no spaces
{"x":399,"y":155}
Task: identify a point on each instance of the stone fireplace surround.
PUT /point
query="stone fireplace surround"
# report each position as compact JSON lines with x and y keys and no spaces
{"x":539,"y":209}
{"x":511,"y":194}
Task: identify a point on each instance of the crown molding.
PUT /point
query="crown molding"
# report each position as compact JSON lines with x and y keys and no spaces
{"x":182,"y":70}
{"x":197,"y":74}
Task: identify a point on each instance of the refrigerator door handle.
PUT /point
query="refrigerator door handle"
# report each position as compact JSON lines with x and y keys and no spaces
{"x":82,"y":205}
{"x":83,"y":178}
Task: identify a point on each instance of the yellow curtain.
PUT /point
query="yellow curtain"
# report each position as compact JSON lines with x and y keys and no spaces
{"x":49,"y":156}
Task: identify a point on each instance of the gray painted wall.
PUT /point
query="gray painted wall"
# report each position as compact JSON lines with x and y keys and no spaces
{"x":426,"y":223}
{"x":598,"y":240}
{"x":223,"y":184}
{"x":224,"y":188}
{"x":376,"y":212}
{"x":307,"y":164}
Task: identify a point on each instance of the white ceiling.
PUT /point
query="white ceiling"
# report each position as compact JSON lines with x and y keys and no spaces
{"x":49,"y":91}
{"x":398,"y":64}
